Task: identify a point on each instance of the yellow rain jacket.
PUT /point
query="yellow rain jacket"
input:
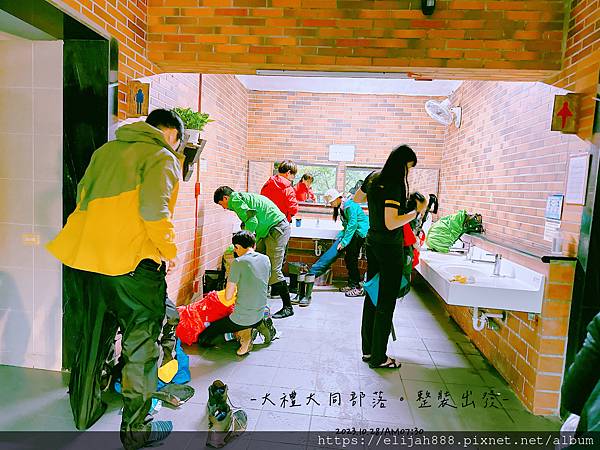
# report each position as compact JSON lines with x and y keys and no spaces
{"x":125,"y":204}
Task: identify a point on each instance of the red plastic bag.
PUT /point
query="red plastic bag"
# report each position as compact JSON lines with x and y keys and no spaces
{"x":193,"y":317}
{"x":409,"y":235}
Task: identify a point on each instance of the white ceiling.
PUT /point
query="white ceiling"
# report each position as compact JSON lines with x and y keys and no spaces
{"x":349,"y":85}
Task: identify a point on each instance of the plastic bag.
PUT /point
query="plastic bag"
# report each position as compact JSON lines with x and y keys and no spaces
{"x":193,"y":317}
{"x":446,"y":231}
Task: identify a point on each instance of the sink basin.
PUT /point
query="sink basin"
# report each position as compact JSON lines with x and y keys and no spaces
{"x":453,"y":271}
{"x":313,"y":229}
{"x":517,"y":289}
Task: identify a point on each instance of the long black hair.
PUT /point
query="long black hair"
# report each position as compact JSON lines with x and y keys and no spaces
{"x":395,"y":170}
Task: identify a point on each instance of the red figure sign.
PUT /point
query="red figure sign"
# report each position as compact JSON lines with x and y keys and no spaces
{"x":564,"y":113}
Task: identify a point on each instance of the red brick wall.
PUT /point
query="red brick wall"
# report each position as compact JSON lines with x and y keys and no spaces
{"x":169,"y":91}
{"x":301,"y":126}
{"x":126,"y":21}
{"x":503,"y":161}
{"x":463,"y":39}
{"x":226,"y":156}
{"x":581,"y":63}
{"x":529,"y":352}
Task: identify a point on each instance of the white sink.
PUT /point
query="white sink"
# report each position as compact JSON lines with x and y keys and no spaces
{"x":516,"y":289}
{"x":316,"y":229}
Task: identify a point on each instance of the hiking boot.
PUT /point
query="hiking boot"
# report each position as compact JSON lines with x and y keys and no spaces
{"x":301,"y":289}
{"x":217,"y":397}
{"x":148,"y":435}
{"x":267,"y":330}
{"x":230,"y":425}
{"x":284,"y":312}
{"x":245,"y":342}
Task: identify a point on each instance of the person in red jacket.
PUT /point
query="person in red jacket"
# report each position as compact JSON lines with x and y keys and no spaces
{"x":279,"y":189}
{"x":303,"y":191}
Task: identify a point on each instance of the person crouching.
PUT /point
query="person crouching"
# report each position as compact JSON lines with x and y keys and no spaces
{"x":249,"y":276}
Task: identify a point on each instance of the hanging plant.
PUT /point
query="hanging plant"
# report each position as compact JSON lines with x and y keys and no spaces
{"x":193,"y":122}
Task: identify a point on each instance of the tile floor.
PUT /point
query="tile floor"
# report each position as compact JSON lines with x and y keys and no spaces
{"x":318,"y":353}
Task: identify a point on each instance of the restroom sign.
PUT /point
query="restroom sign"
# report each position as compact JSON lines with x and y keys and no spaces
{"x":565,"y":115}
{"x":138,"y":99}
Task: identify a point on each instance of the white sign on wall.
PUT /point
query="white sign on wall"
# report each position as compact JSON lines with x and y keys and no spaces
{"x":341,"y":152}
{"x":577,"y":178}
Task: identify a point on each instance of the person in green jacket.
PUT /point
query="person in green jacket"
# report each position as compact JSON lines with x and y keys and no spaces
{"x":349,"y":242}
{"x":118,"y":246}
{"x":262,"y":217}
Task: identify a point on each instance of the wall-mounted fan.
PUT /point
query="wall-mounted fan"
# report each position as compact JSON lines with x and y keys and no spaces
{"x":443,"y":112}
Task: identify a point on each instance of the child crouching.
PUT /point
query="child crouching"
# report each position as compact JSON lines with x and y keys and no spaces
{"x":249,"y":276}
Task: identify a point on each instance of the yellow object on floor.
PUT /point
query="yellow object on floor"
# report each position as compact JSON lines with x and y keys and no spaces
{"x":223,"y":299}
{"x":168,"y":371}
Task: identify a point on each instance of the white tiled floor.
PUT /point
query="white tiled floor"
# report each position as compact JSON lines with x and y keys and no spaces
{"x":318,"y":353}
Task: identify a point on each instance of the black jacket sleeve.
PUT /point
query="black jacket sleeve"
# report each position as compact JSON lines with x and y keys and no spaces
{"x":583,"y":375}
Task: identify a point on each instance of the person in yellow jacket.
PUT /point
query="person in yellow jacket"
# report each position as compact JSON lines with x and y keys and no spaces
{"x":118,"y":245}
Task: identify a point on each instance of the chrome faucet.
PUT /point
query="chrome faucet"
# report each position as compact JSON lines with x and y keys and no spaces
{"x":497,"y":262}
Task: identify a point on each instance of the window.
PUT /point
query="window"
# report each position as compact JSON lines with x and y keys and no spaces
{"x":355,"y":177}
{"x":324,"y":176}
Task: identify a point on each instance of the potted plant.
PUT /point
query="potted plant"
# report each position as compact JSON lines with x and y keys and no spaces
{"x":194,"y":123}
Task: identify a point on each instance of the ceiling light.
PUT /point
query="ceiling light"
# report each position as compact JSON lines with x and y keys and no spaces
{"x":310,"y":73}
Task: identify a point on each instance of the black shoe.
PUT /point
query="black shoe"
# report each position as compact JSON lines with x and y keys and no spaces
{"x":284,"y":312}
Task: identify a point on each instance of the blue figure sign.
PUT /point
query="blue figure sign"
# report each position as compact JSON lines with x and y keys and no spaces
{"x":138,"y":99}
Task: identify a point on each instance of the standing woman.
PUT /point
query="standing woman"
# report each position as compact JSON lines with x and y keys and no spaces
{"x":389,"y":209}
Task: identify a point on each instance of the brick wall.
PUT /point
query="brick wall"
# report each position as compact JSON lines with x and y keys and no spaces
{"x":168,"y":91}
{"x":301,"y":126}
{"x":581,"y":62}
{"x":503,"y":161}
{"x":226,"y":156}
{"x":528,"y":352}
{"x":126,"y":21}
{"x":463,"y":39}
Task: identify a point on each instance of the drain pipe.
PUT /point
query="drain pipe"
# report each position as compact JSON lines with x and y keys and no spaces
{"x":480,"y":321}
{"x":318,"y":248}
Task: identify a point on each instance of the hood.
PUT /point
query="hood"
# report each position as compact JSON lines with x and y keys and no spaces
{"x":279,"y":181}
{"x":142,"y":132}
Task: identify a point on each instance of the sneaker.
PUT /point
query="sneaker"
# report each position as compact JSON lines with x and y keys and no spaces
{"x":356,"y":292}
{"x":305,"y":302}
{"x":284,"y":312}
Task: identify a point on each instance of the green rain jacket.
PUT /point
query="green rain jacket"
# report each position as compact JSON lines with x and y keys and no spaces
{"x":258,"y":213}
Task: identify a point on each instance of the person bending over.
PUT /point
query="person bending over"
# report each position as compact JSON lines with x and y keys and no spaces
{"x":349,"y":242}
{"x":262,"y":217}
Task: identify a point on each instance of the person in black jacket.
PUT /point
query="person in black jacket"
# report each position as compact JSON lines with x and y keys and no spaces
{"x":580,"y":392}
{"x":389,"y":210}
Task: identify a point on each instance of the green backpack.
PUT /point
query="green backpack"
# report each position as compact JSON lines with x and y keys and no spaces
{"x":447,"y":230}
